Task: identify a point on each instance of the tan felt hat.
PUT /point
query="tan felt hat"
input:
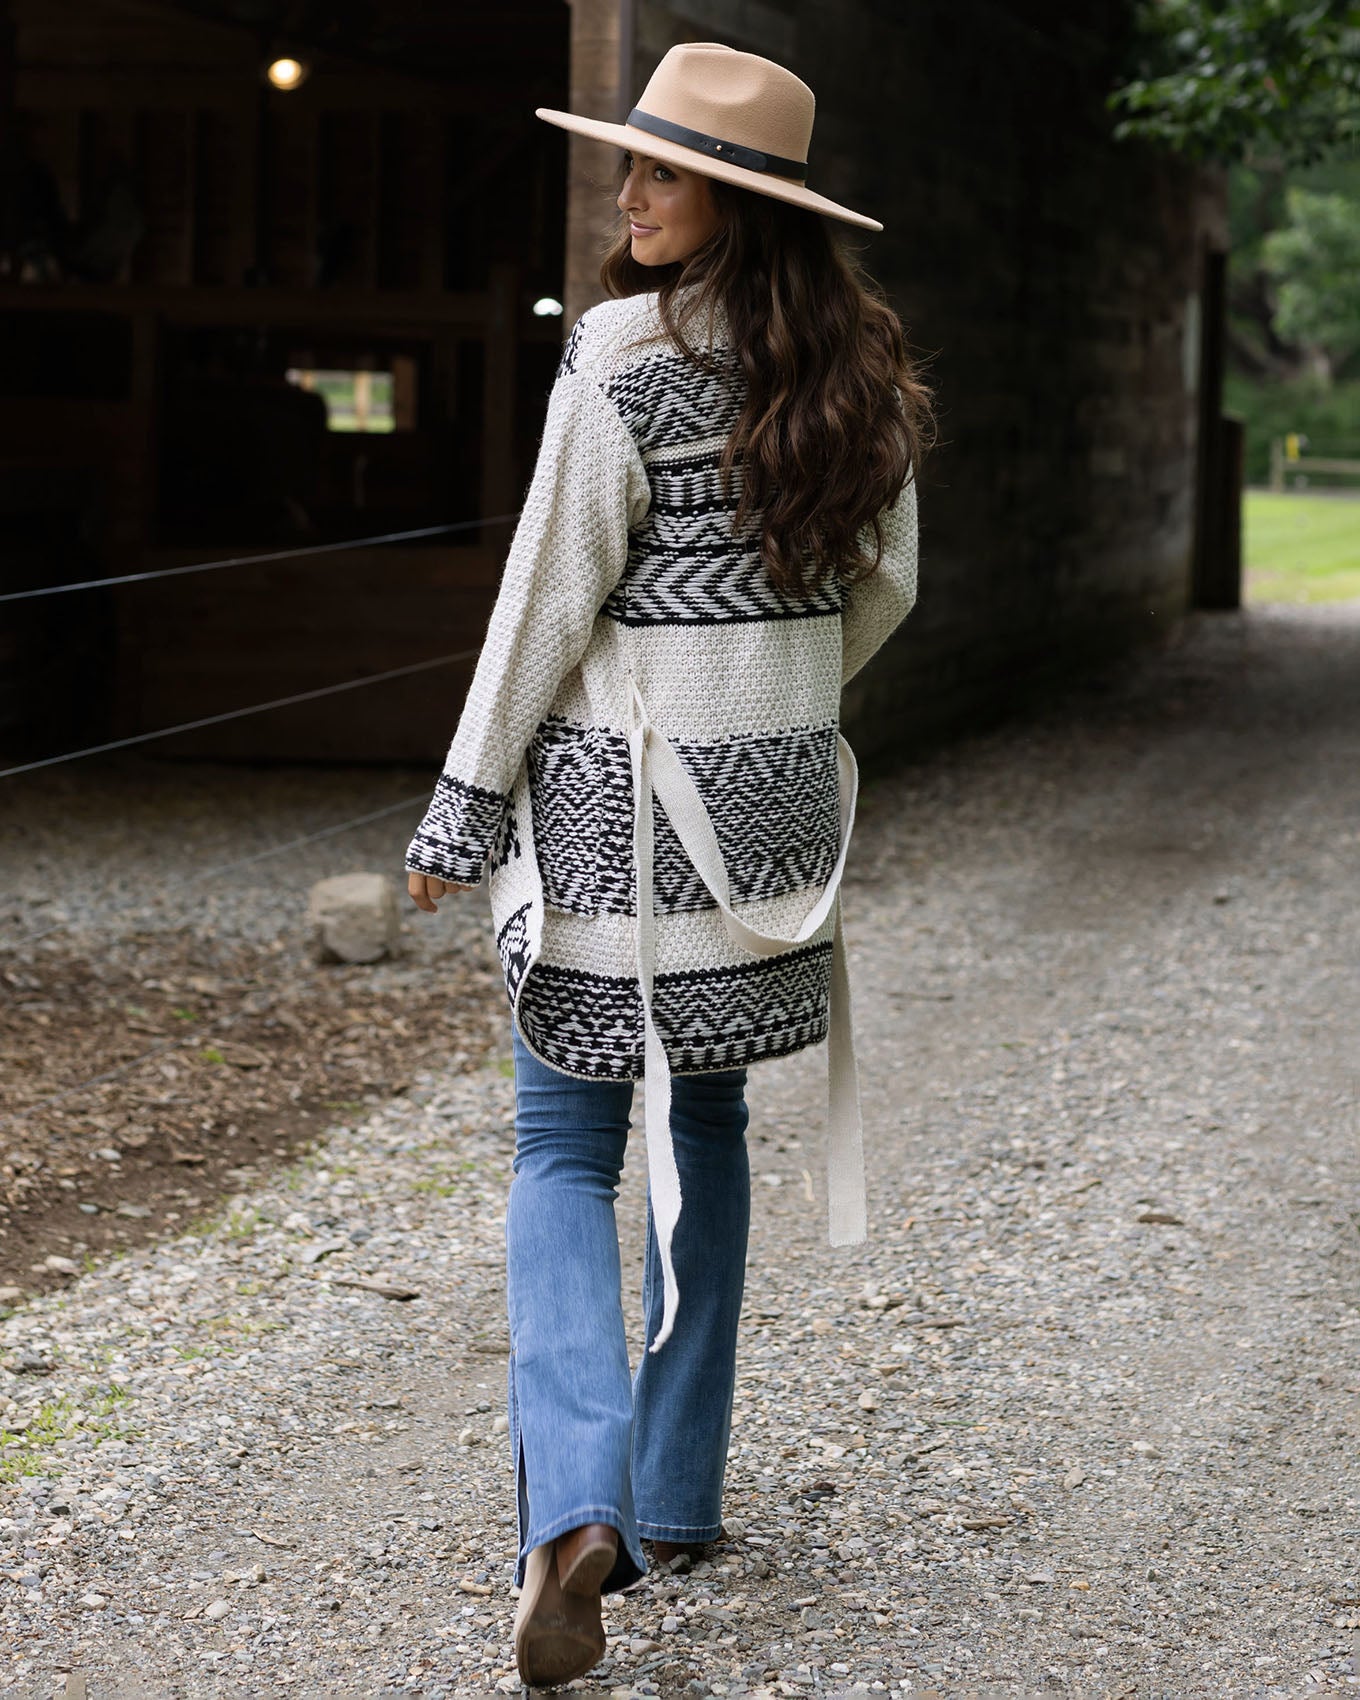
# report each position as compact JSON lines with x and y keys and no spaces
{"x":725,"y":114}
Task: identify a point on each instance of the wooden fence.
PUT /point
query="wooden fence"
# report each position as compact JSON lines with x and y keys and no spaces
{"x":1285,"y":457}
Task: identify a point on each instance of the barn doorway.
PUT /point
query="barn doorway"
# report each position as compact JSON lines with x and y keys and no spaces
{"x":187,"y":239}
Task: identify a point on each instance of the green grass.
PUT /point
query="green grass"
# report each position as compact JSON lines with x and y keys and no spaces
{"x":1301,"y":548}
{"x":440,"y":1185}
{"x":445,"y":1181}
{"x":235,"y":1222}
{"x":63,"y":1418}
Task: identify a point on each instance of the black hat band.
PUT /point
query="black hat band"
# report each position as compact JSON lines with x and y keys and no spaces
{"x":751,"y":159}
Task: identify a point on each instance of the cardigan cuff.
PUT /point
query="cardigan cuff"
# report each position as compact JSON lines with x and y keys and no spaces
{"x":455,"y":837}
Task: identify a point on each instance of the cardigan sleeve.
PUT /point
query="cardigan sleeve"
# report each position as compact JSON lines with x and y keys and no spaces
{"x":568,"y":552}
{"x":877,"y":605}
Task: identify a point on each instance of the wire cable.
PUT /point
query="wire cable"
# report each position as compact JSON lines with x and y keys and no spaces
{"x":255,"y":560}
{"x":180,"y":1040}
{"x":240,"y":713}
{"x":315,"y":837}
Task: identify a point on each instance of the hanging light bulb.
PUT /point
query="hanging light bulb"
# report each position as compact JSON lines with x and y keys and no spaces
{"x":287,"y":73}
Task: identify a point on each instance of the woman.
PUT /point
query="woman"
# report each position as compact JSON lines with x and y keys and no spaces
{"x":714,"y":539}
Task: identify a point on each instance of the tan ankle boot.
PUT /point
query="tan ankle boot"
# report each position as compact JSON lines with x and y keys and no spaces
{"x":558,"y":1635}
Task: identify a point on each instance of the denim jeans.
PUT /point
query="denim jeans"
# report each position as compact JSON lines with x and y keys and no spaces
{"x":589,"y":1443}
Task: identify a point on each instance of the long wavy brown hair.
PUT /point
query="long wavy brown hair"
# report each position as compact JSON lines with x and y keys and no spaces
{"x":836,"y":415}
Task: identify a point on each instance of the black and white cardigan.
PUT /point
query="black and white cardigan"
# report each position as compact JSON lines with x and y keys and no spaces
{"x":630,"y":618}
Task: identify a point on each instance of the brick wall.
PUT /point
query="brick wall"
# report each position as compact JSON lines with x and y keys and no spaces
{"x":1055,"y":278}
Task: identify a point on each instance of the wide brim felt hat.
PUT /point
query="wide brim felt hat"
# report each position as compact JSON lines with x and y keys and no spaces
{"x":734,"y":116}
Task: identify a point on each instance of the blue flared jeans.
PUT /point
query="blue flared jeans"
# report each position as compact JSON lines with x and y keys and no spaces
{"x":590,"y":1442}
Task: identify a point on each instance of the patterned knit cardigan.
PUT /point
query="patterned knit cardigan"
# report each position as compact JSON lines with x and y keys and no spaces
{"x":630,"y":620}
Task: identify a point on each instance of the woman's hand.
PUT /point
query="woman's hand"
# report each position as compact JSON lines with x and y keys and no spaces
{"x":426,"y":890}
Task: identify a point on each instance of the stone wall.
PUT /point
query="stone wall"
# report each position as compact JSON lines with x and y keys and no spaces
{"x":1054,"y":278}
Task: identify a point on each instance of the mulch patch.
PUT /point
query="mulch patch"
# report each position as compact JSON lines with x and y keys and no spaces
{"x":224,"y":1060}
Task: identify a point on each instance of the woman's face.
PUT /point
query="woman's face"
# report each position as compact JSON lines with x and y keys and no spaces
{"x":670,"y":211}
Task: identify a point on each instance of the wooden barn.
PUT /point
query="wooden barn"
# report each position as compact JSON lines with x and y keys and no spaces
{"x":277,"y":276}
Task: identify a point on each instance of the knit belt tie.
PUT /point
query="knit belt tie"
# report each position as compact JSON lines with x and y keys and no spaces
{"x":657,"y":768}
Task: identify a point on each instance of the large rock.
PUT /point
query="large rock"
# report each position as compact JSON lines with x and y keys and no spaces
{"x":354,"y":918}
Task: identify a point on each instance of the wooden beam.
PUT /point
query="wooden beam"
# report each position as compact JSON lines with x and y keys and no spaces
{"x":369,"y":125}
{"x":141,"y":507}
{"x":1213,"y":582}
{"x":244,"y":214}
{"x":9,"y":134}
{"x":597,"y":39}
{"x":289,"y":183}
{"x":434,"y":146}
{"x":119,"y":130}
{"x":499,"y":480}
{"x":141,"y":88}
{"x":164,"y":166}
{"x":370,"y":308}
{"x":9,"y":73}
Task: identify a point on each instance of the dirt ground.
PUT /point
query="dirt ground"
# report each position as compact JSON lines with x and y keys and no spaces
{"x":139,"y":1092}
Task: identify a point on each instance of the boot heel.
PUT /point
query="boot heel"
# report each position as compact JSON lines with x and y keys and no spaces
{"x":585,"y":1556}
{"x":558,"y":1636}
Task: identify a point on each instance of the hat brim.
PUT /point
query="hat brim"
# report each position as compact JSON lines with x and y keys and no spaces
{"x":690,"y":159}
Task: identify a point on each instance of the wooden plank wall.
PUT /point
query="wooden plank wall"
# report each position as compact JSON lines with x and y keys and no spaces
{"x":287,"y":627}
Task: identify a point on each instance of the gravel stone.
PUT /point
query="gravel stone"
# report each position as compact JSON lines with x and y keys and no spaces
{"x":1030,"y":1438}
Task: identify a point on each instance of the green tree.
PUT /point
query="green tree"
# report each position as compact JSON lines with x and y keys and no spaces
{"x":1315,"y":260}
{"x":1243,"y":79}
{"x":1258,"y":204}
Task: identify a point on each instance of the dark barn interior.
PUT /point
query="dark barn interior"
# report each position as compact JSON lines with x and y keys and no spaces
{"x":186,"y":252}
{"x":192,"y":260}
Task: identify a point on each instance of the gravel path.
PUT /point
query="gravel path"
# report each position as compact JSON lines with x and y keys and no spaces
{"x":1079,"y":1419}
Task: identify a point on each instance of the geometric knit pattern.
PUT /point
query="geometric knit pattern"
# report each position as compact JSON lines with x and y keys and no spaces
{"x":688,"y":526}
{"x":685,"y":565}
{"x":588,"y":1024}
{"x":666,"y":400}
{"x":686,"y":569}
{"x":774,"y":803}
{"x":506,"y":846}
{"x":623,"y":575}
{"x":460,"y":819}
{"x":512,"y":945}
